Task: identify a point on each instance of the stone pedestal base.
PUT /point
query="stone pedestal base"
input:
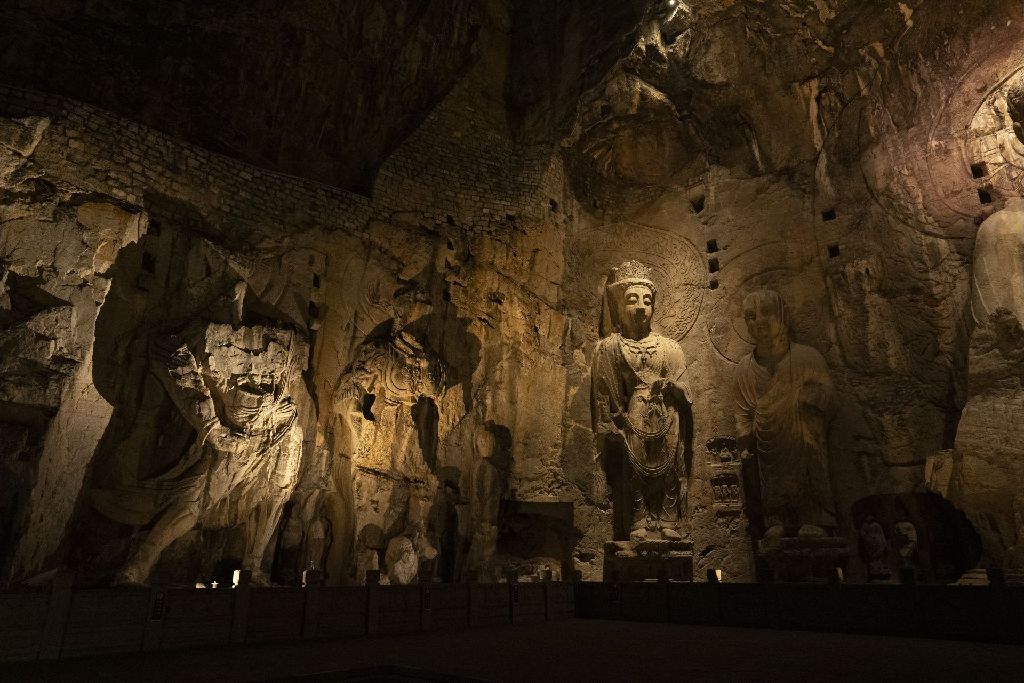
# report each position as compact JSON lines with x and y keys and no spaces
{"x":805,"y":560}
{"x":648,"y":560}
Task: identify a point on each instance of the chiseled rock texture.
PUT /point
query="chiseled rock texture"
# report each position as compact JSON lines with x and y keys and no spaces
{"x":58,"y":246}
{"x":432,"y":194}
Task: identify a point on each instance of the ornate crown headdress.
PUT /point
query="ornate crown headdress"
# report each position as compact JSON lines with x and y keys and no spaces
{"x":632,"y":273}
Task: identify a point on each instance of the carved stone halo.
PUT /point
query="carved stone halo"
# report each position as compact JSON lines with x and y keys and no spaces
{"x":807,"y":307}
{"x":677,"y":268}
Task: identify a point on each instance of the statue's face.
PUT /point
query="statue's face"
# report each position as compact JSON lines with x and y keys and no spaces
{"x":485,"y":443}
{"x":639,"y":306}
{"x":242,"y":397}
{"x":763,"y":321}
{"x":245,"y":382}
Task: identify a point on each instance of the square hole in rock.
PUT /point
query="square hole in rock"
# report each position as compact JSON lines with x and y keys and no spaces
{"x":697,"y":204}
{"x":979,"y":170}
{"x":713,"y":284}
{"x":833,"y":250}
{"x":713,"y":265}
{"x":984,"y":196}
{"x":828,"y":215}
{"x":712,"y":246}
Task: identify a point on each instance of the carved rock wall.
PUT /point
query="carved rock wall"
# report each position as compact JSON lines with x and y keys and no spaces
{"x":840,"y":157}
{"x":59,"y":244}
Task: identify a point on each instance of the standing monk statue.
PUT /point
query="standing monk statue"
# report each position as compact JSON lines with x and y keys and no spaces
{"x":783,"y":402}
{"x":641,"y":410}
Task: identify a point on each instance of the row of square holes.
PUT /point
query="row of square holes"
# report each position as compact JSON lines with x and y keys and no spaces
{"x":712,"y":246}
{"x":979,"y":170}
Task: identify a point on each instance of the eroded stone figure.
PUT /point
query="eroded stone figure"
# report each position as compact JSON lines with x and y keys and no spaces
{"x":987,"y":476}
{"x":640,"y":409}
{"x":1015,"y":107}
{"x":378,"y":443}
{"x":905,"y":542}
{"x":235,"y":390}
{"x":997,"y":280}
{"x":783,"y":400}
{"x":402,"y":561}
{"x":874,"y":549}
{"x":420,"y":499}
{"x":487,"y":488}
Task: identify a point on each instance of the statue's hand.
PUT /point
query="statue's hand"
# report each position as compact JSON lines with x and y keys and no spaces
{"x":673,"y":391}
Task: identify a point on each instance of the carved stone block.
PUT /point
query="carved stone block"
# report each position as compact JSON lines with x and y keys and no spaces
{"x":803,"y":560}
{"x":648,"y":560}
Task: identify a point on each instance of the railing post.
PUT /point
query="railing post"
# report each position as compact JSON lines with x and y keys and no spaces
{"x":311,"y":579}
{"x":57,"y":616}
{"x":243,"y":594}
{"x":372,"y":602}
{"x":155,"y":621}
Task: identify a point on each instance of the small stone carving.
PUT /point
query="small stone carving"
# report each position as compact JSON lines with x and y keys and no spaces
{"x":724,"y":467}
{"x":420,"y":500}
{"x":1015,"y":107}
{"x":874,"y":550}
{"x":378,"y":444}
{"x":402,"y":561}
{"x":783,"y":401}
{"x":235,"y":390}
{"x":640,"y":409}
{"x":905,"y":542}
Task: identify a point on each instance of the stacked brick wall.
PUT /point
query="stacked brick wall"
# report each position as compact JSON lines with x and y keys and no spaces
{"x":475,"y":179}
{"x":462,"y":164}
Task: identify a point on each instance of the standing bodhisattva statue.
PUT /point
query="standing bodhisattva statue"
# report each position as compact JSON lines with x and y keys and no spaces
{"x":783,"y":402}
{"x":641,"y":410}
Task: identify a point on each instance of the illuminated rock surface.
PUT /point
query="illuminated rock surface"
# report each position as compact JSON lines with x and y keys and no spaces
{"x":431,"y":199}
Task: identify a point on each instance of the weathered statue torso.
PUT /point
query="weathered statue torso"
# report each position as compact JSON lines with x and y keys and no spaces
{"x":997,"y":280}
{"x":626,"y":404}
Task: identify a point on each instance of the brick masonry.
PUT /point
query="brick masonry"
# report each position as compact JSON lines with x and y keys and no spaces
{"x":455,"y":168}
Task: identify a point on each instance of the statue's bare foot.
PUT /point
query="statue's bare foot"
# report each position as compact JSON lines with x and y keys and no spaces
{"x":638,"y":534}
{"x":671,"y":534}
{"x":129,"y":578}
{"x":775,"y":532}
{"x":810,"y":531}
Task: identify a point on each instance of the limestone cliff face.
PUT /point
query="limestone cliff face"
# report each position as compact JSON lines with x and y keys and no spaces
{"x":507,"y":155}
{"x":58,"y":246}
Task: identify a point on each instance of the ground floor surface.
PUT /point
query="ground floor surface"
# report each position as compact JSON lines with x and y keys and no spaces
{"x":573,"y":650}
